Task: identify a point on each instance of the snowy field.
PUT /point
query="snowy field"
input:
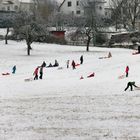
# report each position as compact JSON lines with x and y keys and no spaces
{"x":61,"y":106}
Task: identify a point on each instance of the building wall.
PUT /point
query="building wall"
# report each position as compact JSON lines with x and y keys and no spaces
{"x":72,"y":7}
{"x":78,"y":10}
{"x":14,"y":5}
{"x":9,"y":5}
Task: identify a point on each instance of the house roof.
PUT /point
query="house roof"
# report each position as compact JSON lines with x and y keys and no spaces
{"x":25,"y":1}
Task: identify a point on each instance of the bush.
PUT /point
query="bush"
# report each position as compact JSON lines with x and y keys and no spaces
{"x":101,"y":38}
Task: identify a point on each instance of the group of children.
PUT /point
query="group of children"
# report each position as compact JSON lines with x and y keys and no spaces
{"x":39,"y":70}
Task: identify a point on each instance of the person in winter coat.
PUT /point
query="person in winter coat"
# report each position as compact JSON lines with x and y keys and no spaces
{"x":81,"y":59}
{"x":36,"y":73}
{"x":56,"y":64}
{"x":43,"y":64}
{"x":127,"y":70}
{"x":73,"y":65}
{"x":14,"y":69}
{"x":41,"y":73}
{"x":109,"y":55}
{"x":131,"y":84}
{"x":68,"y":62}
{"x":139,"y":49}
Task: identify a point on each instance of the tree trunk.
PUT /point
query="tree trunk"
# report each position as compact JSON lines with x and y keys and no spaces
{"x":6,"y":36}
{"x":28,"y":48}
{"x":88,"y":41}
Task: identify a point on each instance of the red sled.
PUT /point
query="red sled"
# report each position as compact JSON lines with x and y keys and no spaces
{"x":77,"y":65}
{"x":135,"y":53}
{"x":91,"y":75}
{"x":28,"y":79}
{"x":121,"y":76}
{"x":6,"y":73}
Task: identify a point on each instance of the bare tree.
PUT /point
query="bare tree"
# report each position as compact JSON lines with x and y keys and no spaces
{"x":93,"y":21}
{"x":125,"y":12}
{"x":29,"y":29}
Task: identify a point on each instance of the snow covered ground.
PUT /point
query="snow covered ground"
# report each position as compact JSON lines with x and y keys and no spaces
{"x":61,"y":106}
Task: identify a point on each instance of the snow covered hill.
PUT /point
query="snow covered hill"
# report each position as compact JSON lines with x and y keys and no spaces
{"x":61,"y":106}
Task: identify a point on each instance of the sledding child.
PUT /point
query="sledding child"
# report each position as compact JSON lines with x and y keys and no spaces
{"x":131,"y":84}
{"x":81,"y":59}
{"x":56,"y":64}
{"x":14,"y":69}
{"x":73,"y":65}
{"x":127,"y":70}
{"x":36,"y":73}
{"x":109,"y":55}
{"x":91,"y":75}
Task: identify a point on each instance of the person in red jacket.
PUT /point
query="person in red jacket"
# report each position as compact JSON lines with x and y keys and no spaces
{"x":126,"y":71}
{"x":36,"y":73}
{"x":73,"y":65}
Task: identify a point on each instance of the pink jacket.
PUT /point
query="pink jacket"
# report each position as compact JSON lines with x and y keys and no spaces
{"x":127,"y":69}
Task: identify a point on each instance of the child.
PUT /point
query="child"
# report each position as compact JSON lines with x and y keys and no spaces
{"x":126,"y":71}
{"x":81,"y":59}
{"x":73,"y":65}
{"x":14,"y":69}
{"x":36,"y":73}
{"x":68,"y":61}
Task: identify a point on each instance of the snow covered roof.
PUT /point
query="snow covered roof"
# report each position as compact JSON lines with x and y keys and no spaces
{"x":25,"y":1}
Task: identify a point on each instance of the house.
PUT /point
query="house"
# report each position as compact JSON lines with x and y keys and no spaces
{"x":71,"y":7}
{"x":8,"y":9}
{"x":15,"y":5}
{"x":9,"y":5}
{"x":77,"y":7}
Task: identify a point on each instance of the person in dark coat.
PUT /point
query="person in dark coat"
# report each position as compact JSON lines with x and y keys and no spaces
{"x":41,"y":73}
{"x":56,"y":64}
{"x":73,"y":65}
{"x":131,"y":85}
{"x":139,"y":49}
{"x":81,"y":59}
{"x":14,"y":69}
{"x":43,"y":64}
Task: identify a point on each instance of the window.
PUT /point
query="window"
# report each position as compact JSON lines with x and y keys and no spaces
{"x":100,"y":7}
{"x":16,"y":7}
{"x":77,"y":3}
{"x":8,"y":8}
{"x":78,"y":12}
{"x":69,"y":3}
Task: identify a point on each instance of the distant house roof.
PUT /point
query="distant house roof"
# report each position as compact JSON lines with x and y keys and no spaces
{"x":25,"y":1}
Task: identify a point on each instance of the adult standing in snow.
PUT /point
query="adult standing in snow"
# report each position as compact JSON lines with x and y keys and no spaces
{"x":73,"y":65}
{"x":81,"y":59}
{"x":41,"y":73}
{"x":127,"y":70}
{"x":131,"y":84}
{"x":14,"y":69}
{"x":36,"y":73}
